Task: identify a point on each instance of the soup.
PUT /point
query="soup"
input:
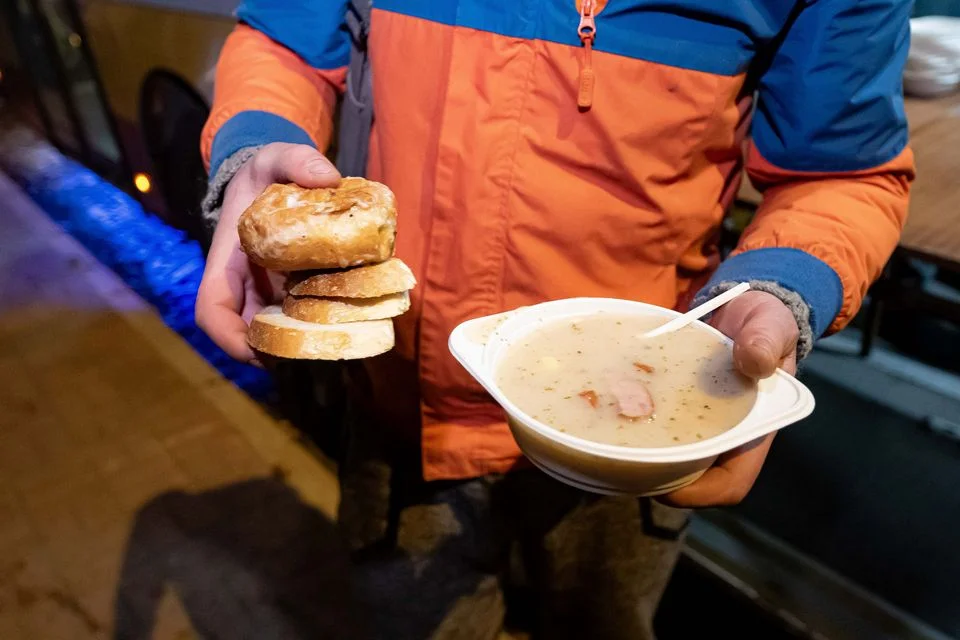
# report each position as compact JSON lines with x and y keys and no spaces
{"x":595,"y":378}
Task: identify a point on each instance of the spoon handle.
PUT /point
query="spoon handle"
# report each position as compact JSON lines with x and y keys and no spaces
{"x":698,"y":312}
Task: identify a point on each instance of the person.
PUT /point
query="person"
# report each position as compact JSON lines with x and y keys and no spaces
{"x":535,"y":160}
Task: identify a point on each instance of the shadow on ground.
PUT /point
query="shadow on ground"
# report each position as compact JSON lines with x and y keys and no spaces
{"x":248,"y":560}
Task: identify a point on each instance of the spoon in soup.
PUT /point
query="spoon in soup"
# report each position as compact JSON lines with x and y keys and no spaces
{"x":697,"y":312}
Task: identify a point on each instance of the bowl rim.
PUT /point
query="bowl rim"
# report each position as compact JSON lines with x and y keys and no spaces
{"x":709,"y":447}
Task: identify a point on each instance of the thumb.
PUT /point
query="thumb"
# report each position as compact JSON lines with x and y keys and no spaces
{"x":300,"y":164}
{"x":764,"y":332}
{"x":759,"y":349}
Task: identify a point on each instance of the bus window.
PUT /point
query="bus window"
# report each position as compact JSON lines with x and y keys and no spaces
{"x":81,"y":81}
{"x":172,"y":115}
{"x":40,"y":64}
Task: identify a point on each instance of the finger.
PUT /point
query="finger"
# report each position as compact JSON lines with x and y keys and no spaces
{"x":767,"y":338}
{"x":220,"y":297}
{"x":728,"y":481}
{"x":278,"y":285}
{"x":297,"y":163}
{"x":267,"y":285}
{"x":763,"y":329}
{"x":229,"y":332}
{"x":789,"y":363}
{"x":256,"y":296}
{"x":226,"y":241}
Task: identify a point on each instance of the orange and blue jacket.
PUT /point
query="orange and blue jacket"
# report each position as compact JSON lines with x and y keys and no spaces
{"x":509,"y":193}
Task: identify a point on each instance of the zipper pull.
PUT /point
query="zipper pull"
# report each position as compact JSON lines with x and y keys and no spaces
{"x":587,"y":30}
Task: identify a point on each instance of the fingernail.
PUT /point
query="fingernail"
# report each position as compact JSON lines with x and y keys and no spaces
{"x":761,"y":344}
{"x":320,"y":167}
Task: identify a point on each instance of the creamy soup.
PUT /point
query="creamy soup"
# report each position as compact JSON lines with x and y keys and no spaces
{"x":595,"y":378}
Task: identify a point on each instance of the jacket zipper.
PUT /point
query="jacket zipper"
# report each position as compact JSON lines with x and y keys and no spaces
{"x":587,"y":30}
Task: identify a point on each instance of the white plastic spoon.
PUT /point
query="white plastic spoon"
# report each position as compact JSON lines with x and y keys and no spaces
{"x":697,"y":312}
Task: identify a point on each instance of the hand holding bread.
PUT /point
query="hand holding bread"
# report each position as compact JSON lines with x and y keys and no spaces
{"x":234,"y":289}
{"x":306,"y":220}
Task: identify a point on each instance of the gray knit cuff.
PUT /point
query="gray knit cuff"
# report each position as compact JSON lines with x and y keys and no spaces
{"x":213,"y":200}
{"x":792,"y":299}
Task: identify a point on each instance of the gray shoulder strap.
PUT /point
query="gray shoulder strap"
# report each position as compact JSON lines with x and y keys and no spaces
{"x":356,"y":112}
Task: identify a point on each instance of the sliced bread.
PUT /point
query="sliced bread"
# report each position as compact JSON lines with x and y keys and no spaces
{"x":336,"y":310}
{"x":371,"y":281}
{"x":274,"y":333}
{"x":289,"y":228}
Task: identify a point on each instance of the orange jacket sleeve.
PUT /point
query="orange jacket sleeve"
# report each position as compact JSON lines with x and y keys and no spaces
{"x":851,"y":222}
{"x":278,"y":77}
{"x":829,"y":152}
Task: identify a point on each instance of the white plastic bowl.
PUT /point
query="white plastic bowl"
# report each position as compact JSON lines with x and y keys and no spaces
{"x":480,"y":345}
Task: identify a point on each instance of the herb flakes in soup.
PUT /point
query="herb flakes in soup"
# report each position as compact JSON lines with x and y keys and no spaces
{"x":595,"y":378}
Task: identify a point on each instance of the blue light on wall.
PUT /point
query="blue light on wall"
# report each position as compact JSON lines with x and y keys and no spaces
{"x":157,"y":261}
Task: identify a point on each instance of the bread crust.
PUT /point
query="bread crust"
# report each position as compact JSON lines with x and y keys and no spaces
{"x":339,"y":310}
{"x":369,"y":281}
{"x":289,"y":228}
{"x":273,"y":333}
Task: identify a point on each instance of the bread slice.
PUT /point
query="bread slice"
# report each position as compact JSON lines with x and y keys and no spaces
{"x":370,"y":281}
{"x":289,"y":228}
{"x":278,"y":335}
{"x":336,"y":310}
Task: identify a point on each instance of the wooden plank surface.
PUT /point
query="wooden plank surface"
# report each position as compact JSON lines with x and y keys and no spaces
{"x":933,"y":228}
{"x":119,"y":445}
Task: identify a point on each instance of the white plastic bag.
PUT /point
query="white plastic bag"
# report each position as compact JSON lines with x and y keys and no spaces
{"x":933,"y":64}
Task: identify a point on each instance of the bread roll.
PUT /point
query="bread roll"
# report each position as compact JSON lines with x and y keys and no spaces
{"x":276,"y":334}
{"x":371,"y":281}
{"x":334,"y":310}
{"x":289,"y":228}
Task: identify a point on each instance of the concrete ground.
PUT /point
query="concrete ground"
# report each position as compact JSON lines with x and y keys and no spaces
{"x":130,"y":471}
